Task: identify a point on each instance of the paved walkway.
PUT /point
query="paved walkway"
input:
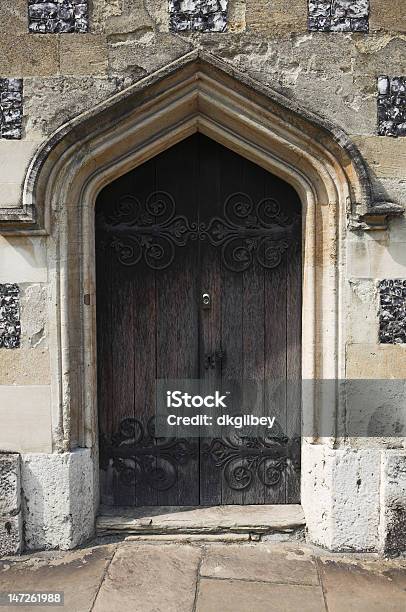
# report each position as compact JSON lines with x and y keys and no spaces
{"x":141,"y":576}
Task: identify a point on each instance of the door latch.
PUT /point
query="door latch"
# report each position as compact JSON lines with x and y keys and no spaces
{"x":206,"y":301}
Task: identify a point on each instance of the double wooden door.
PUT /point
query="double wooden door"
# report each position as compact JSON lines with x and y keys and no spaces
{"x":198,"y":256}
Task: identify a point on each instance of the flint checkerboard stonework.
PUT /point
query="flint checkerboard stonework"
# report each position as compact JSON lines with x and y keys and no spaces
{"x":10,"y":326}
{"x":338,"y":15}
{"x":392,"y":317}
{"x":198,"y":15}
{"x":392,"y":106}
{"x":58,"y":16}
{"x":11,"y":108}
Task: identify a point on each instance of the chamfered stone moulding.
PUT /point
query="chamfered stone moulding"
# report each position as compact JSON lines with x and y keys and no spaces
{"x":392,"y":106}
{"x":198,"y":15}
{"x":58,"y":16}
{"x":10,"y":326}
{"x":392,"y":314}
{"x":11,"y":108}
{"x":338,"y":15}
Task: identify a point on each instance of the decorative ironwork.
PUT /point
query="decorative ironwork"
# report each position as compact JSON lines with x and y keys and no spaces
{"x":244,"y":458}
{"x":244,"y":233}
{"x":139,"y":456}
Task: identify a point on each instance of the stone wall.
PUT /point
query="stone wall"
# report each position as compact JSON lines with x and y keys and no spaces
{"x":344,"y":61}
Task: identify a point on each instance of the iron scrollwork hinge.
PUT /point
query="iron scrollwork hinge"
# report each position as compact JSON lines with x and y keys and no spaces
{"x":139,"y":456}
{"x":153,"y":231}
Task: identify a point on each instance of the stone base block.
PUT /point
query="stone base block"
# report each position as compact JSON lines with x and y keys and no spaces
{"x":393,"y":502}
{"x":10,"y":504}
{"x":341,"y":497}
{"x":58,"y":499}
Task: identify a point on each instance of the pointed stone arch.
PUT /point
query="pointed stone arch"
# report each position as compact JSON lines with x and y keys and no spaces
{"x":196,"y":93}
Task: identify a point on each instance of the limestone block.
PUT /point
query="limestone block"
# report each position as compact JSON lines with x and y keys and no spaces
{"x":83,"y":54}
{"x":379,"y":54}
{"x":58,"y":499}
{"x":273,"y":19}
{"x":388,"y":16}
{"x":10,"y":505}
{"x":340,"y":497}
{"x":15,"y":157}
{"x":50,"y":102}
{"x":13,"y":17}
{"x":376,"y":259}
{"x":376,"y":361}
{"x":362,"y":319}
{"x":138,"y":58}
{"x":34,"y":315}
{"x":23,"y":259}
{"x":25,"y":367}
{"x":27,"y":55}
{"x":393,"y":510}
{"x":25,"y":417}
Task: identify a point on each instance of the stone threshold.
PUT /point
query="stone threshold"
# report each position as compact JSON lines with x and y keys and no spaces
{"x":244,"y":522}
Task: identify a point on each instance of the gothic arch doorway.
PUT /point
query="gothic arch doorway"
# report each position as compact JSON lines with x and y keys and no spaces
{"x":197,"y":219}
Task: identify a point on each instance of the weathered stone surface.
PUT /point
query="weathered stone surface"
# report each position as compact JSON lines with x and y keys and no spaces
{"x":28,"y":55}
{"x":388,"y":16}
{"x":83,"y":54}
{"x":58,"y":16}
{"x":27,"y":426}
{"x":376,"y":361}
{"x":345,"y":484}
{"x":338,"y":15}
{"x":171,"y":519}
{"x":51,"y":102}
{"x":59,"y":513}
{"x":34,"y":315}
{"x":11,"y":108}
{"x":23,"y":260}
{"x":198,"y":15}
{"x":240,"y":596}
{"x":363,"y":586}
{"x":393,"y":524}
{"x":272,"y":18}
{"x":10,"y":504}
{"x":392,"y":106}
{"x":280,"y":563}
{"x":14,"y":17}
{"x":392,"y":316}
{"x":25,"y":367}
{"x":78,"y":574}
{"x":10,"y":326}
{"x":143,"y":577}
{"x":386,"y":157}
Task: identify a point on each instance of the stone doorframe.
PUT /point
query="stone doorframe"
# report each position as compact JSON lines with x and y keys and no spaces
{"x":196,"y":93}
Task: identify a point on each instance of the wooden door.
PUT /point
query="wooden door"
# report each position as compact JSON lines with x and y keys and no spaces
{"x":197,"y":219}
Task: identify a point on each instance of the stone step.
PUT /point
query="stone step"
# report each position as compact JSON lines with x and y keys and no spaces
{"x":266,"y":519}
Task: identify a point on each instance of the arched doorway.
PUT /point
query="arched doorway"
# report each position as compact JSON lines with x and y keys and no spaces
{"x":197,"y":220}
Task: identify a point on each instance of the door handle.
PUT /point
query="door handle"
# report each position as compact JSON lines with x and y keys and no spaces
{"x":206,"y":301}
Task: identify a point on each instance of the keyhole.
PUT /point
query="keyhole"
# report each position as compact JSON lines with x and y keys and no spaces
{"x":206,"y":301}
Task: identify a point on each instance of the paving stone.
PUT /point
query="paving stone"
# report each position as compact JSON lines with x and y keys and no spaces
{"x":281,"y":563}
{"x":78,"y":574}
{"x":240,"y":596}
{"x":146,"y":578}
{"x":363,"y":586}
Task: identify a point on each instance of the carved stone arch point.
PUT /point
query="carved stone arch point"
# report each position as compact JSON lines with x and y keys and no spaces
{"x":196,"y":93}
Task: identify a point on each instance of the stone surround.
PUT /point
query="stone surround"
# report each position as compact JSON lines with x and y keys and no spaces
{"x":198,"y":15}
{"x":11,"y":108}
{"x":59,"y":16}
{"x":338,"y":15}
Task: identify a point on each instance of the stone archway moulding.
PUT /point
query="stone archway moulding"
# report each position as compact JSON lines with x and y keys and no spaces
{"x":196,"y":93}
